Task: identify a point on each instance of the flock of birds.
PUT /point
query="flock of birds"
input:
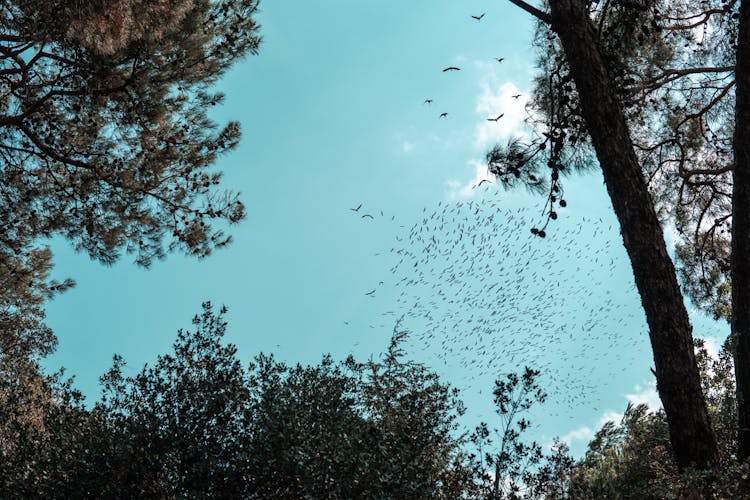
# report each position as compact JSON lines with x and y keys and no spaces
{"x":483,"y":296}
{"x":447,"y":69}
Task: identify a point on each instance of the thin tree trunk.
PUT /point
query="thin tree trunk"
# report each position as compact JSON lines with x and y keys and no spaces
{"x":741,"y":236}
{"x":677,"y":375}
{"x":496,"y":484}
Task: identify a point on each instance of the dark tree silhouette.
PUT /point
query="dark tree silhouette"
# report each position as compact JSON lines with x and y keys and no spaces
{"x":601,"y":118}
{"x":104,"y":133}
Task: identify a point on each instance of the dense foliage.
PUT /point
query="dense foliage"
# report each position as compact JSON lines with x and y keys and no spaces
{"x":105,"y":138}
{"x":198,"y":423}
{"x":658,"y":93}
{"x":672,"y":66}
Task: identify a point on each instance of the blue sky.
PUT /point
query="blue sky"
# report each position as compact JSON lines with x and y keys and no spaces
{"x":332,"y":115}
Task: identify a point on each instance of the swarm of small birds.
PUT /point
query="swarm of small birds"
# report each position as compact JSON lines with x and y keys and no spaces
{"x":478,"y":291}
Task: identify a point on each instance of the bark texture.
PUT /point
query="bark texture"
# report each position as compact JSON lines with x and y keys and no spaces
{"x":677,"y":375}
{"x":741,"y":236}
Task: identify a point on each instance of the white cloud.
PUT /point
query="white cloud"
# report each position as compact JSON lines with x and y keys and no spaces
{"x":645,"y":394}
{"x":584,"y":434}
{"x":493,"y":101}
{"x":642,"y":394}
{"x":712,"y":345}
{"x":407,"y":147}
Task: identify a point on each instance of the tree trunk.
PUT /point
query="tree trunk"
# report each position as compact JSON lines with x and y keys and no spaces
{"x":678,"y":379}
{"x":741,"y":236}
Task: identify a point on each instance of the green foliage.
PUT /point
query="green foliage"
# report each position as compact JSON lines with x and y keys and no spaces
{"x":633,"y":458}
{"x":505,"y":462}
{"x":671,"y":64}
{"x":552,"y":477}
{"x":198,"y":424}
{"x":24,"y":288}
{"x":105,"y":137}
{"x":630,"y":459}
{"x":105,"y":107}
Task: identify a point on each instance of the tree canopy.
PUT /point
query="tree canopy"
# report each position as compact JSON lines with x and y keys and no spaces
{"x":105,"y":136}
{"x":198,"y":423}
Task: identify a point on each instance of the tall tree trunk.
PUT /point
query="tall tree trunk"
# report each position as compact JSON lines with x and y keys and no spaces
{"x":678,"y":379}
{"x":741,"y":236}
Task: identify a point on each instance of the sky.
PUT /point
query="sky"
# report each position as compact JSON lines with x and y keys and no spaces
{"x":333,"y":116}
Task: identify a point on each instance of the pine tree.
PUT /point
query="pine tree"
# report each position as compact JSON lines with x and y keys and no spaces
{"x":587,"y":102}
{"x":105,"y":137}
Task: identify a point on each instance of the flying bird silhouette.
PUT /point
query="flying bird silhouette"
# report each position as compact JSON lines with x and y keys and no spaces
{"x":516,"y":96}
{"x":479,"y":17}
{"x":451,"y":68}
{"x":496,"y":119}
{"x":428,"y":101}
{"x":356,"y":209}
{"x":368,"y":215}
{"x":499,"y":59}
{"x":443,"y":115}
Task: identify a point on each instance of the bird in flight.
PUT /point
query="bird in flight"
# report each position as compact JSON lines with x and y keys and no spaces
{"x":371,"y":293}
{"x":428,"y":101}
{"x":499,"y":59}
{"x":451,"y":68}
{"x":443,"y":115}
{"x":496,"y":119}
{"x":356,"y":209}
{"x":479,"y":17}
{"x":516,"y":96}
{"x":480,"y":183}
{"x":368,"y":215}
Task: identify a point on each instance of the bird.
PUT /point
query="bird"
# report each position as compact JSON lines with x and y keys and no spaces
{"x":368,"y":215}
{"x":499,"y":59}
{"x":496,"y":119}
{"x":356,"y":209}
{"x":479,"y":17}
{"x":428,"y":101}
{"x":480,"y":183}
{"x":370,"y":293}
{"x":516,"y":96}
{"x":451,"y":68}
{"x":443,"y":115}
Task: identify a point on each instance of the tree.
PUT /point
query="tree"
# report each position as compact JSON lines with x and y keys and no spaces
{"x":197,"y":423}
{"x":505,"y":466}
{"x":24,"y":288}
{"x":356,"y":430}
{"x":602,"y":118}
{"x":740,"y":267}
{"x":632,"y":458}
{"x":104,"y":133}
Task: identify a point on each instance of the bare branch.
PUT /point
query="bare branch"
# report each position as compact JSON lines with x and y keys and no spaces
{"x":541,"y":15}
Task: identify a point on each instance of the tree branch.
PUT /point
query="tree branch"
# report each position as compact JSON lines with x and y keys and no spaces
{"x":541,"y":15}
